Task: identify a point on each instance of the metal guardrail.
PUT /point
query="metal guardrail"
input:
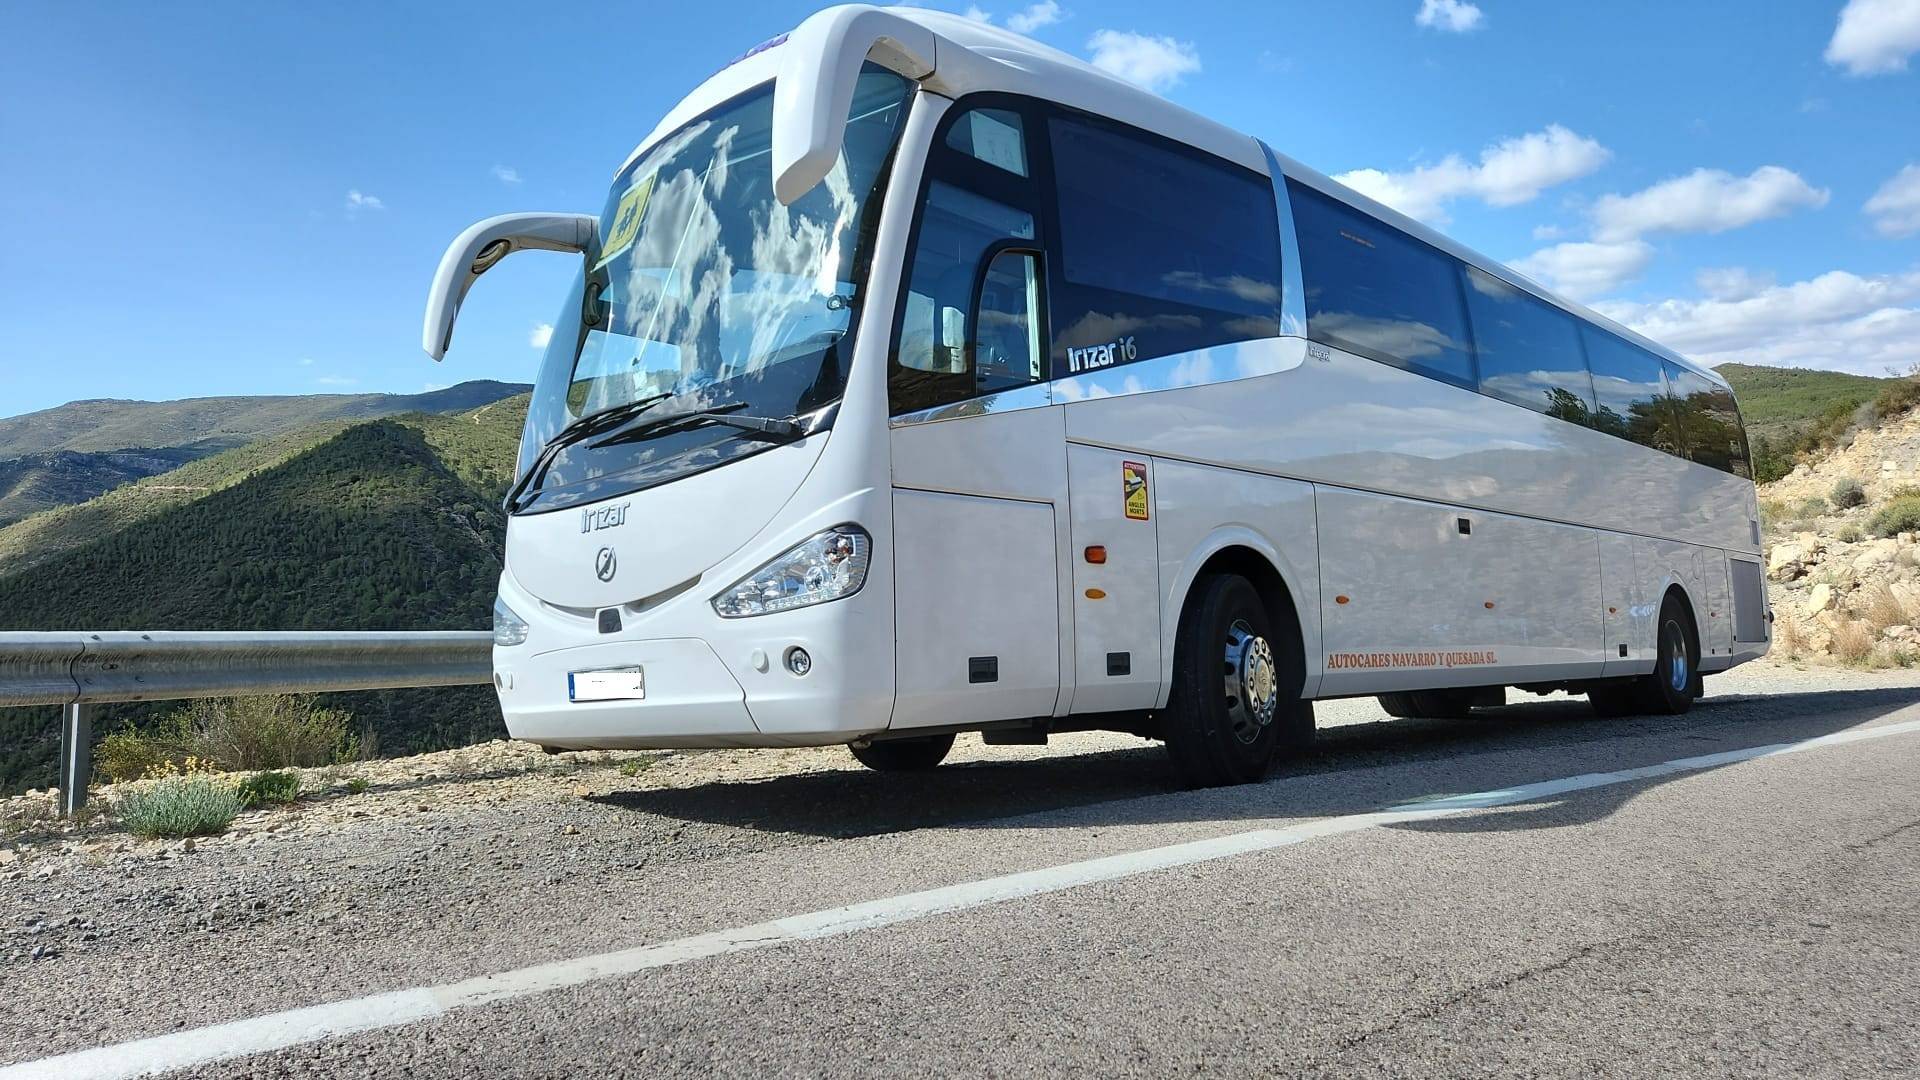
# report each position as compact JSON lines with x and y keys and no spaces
{"x":81,"y":670}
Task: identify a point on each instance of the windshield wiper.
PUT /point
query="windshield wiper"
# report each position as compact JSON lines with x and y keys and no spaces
{"x":584,"y":428}
{"x":769,"y":427}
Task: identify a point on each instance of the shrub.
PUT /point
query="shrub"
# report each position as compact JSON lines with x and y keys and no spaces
{"x":1852,"y":642}
{"x":1896,"y":516}
{"x":1847,"y":494}
{"x":191,"y":805}
{"x":1884,"y":609}
{"x":1849,"y":534}
{"x":267,"y":788}
{"x":1810,"y":507}
{"x":356,"y":785}
{"x":235,"y":734}
{"x":1790,"y":636}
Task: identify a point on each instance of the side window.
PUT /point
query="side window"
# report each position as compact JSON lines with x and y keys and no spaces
{"x":972,"y":320}
{"x":1373,"y":290}
{"x":1528,"y":351}
{"x":1709,"y":422}
{"x":1163,"y":249}
{"x":1630,"y":391}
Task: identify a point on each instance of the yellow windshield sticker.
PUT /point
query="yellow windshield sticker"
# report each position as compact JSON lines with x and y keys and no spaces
{"x":1134,"y":480}
{"x":627,"y":216}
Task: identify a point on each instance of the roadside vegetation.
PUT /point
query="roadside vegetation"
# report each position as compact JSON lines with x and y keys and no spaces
{"x":235,"y":735}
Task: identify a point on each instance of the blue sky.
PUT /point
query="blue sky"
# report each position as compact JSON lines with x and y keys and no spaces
{"x":227,"y":198}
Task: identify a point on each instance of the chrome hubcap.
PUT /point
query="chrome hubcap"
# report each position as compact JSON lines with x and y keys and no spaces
{"x":1252,"y":682}
{"x":1675,"y":646}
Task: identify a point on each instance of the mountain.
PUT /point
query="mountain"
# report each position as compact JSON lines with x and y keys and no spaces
{"x":393,"y":523}
{"x":39,"y":482}
{"x":108,"y":424}
{"x":1774,"y":400}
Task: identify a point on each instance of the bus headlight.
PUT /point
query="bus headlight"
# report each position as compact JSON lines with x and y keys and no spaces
{"x":508,"y":628}
{"x":827,"y":566}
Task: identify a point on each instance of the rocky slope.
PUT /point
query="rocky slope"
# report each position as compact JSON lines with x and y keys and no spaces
{"x":1844,"y":568}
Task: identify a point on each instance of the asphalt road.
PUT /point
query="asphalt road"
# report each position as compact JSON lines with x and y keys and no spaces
{"x":1742,"y":915}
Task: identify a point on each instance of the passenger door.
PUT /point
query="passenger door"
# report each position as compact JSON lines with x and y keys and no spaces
{"x":979,"y":461}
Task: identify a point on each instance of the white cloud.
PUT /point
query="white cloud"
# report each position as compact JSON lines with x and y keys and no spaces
{"x":358,"y":201}
{"x":335,"y":380}
{"x":542,"y":334}
{"x":1583,"y":269}
{"x":1155,"y":63}
{"x":1045,"y":13}
{"x":506,"y":174}
{"x":977,"y":14}
{"x":1731,"y":282}
{"x":1704,"y":201}
{"x":305,"y":361}
{"x":1510,"y":172}
{"x":1874,"y":37}
{"x":428,"y":388}
{"x":1838,"y":320}
{"x":1896,"y":206}
{"x":1454,"y":16}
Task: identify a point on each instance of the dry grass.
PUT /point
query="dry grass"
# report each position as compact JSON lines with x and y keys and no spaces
{"x":1790,"y":636}
{"x":1853,"y":642}
{"x":1884,"y":609}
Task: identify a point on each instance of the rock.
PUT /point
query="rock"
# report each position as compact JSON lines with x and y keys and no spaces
{"x":571,"y":830}
{"x":9,"y":857}
{"x":1819,"y":599}
{"x":1786,"y":562}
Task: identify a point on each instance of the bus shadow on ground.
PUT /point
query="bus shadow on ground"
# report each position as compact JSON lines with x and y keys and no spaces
{"x":1352,"y":768}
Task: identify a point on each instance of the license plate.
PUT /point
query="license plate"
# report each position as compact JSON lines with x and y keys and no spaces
{"x":608,"y":684}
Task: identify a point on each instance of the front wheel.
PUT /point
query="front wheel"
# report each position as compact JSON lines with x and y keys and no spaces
{"x":904,"y":755}
{"x":1236,"y":688}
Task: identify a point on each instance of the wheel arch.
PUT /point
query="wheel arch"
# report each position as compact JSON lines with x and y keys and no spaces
{"x":1290,"y":600}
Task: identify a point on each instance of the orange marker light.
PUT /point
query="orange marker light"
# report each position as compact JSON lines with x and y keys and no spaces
{"x":1340,"y":599}
{"x":1096,"y":594}
{"x":1489,"y":605}
{"x":1097,"y":554}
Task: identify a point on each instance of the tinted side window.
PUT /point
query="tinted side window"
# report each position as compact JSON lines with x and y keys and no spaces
{"x":1709,"y":422}
{"x":1163,"y":249}
{"x":972,"y":318}
{"x":1376,"y":291}
{"x":1529,"y":351}
{"x":1630,"y":391}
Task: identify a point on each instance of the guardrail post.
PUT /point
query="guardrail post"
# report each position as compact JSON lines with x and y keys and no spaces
{"x":76,"y":756}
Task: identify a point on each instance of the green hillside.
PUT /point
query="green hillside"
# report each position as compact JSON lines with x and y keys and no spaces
{"x":1773,"y":400}
{"x":388,"y":524}
{"x":478,"y":445}
{"x":224,"y":421}
{"x":39,"y":482}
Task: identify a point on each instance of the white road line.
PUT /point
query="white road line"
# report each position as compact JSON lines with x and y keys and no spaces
{"x":294,"y":1027}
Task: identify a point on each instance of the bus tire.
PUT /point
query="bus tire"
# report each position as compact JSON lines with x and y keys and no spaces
{"x":1231,"y":703}
{"x":904,"y":755}
{"x":1669,"y":689}
{"x":1432,"y":704}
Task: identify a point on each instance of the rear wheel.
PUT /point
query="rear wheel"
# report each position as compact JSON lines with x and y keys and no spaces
{"x":1236,"y":688}
{"x":1434,"y":704}
{"x":904,"y":755}
{"x":1667,"y":690}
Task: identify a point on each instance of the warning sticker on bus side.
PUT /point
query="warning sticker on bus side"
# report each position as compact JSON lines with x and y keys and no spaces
{"x":1134,"y":481}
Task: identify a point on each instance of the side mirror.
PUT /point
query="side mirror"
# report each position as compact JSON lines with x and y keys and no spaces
{"x":477,"y":250}
{"x":820,"y":66}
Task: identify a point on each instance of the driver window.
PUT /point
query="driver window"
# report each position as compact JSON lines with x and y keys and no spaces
{"x":971,"y":319}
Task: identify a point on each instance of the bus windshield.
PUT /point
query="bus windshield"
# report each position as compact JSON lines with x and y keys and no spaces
{"x":705,"y":289}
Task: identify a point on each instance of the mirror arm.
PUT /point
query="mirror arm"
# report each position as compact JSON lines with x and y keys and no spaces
{"x":480,"y":248}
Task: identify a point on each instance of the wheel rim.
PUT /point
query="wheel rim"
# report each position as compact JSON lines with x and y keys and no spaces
{"x":1674,"y":644}
{"x":1252,"y":682}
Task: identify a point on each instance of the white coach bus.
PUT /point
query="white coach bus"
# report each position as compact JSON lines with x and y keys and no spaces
{"x":920,"y":378}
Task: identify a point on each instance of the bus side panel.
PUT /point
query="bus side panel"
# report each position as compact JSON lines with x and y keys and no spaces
{"x":1116,"y":601}
{"x":1716,"y":625}
{"x":1628,"y":627}
{"x":1203,"y":510}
